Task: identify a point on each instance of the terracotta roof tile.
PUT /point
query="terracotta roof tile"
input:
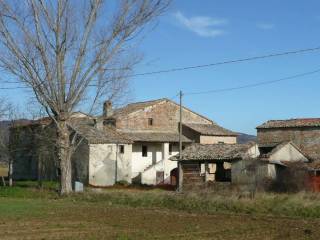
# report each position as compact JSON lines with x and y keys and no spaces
{"x":299,"y":122}
{"x":197,"y":151}
{"x":96,"y":136}
{"x":148,"y":136}
{"x":210,"y":129}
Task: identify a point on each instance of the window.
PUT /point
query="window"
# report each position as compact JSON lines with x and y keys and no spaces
{"x":170,"y":149}
{"x":150,"y":121}
{"x":144,"y":151}
{"x":121,"y":149}
{"x":183,"y":147}
{"x":220,"y":142}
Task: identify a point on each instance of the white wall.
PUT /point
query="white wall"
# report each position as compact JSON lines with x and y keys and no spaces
{"x":140,"y":163}
{"x":254,"y":152}
{"x":103,"y":159}
{"x":124,"y":164}
{"x":157,"y":153}
{"x":288,"y":153}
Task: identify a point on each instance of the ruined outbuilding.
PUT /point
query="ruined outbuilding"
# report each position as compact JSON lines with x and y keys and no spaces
{"x":203,"y":163}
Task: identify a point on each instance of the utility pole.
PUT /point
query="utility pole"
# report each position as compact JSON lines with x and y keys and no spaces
{"x":180,"y":126}
{"x":180,"y":172}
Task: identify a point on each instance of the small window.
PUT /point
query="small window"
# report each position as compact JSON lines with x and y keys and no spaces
{"x":220,"y":142}
{"x":183,"y":147}
{"x":121,"y":149}
{"x":150,"y":121}
{"x":170,"y":149}
{"x":144,"y":151}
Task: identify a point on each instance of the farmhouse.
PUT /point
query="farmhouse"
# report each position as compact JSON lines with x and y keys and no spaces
{"x":154,"y":128}
{"x":131,"y":144}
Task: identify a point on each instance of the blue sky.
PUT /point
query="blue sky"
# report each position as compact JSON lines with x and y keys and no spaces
{"x":197,"y":32}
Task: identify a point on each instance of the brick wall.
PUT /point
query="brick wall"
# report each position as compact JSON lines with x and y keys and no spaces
{"x":307,"y":139}
{"x":165,"y":117}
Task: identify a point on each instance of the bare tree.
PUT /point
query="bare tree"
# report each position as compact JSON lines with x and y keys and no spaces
{"x":5,"y":110}
{"x":70,"y":51}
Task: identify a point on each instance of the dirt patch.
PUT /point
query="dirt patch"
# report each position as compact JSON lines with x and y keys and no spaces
{"x":101,"y":221}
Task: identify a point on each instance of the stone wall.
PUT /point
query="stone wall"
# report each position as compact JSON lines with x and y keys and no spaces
{"x":32,"y":151}
{"x":165,"y":117}
{"x":306,"y":139}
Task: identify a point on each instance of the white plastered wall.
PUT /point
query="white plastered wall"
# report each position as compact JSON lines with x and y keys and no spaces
{"x":103,"y":159}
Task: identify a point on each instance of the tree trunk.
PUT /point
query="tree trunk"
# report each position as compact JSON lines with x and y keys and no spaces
{"x":64,"y":157}
{"x":10,"y":172}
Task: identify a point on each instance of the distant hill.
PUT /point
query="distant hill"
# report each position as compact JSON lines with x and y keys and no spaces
{"x":244,"y":138}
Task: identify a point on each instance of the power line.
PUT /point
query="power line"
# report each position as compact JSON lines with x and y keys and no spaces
{"x":204,"y":65}
{"x":255,"y":84}
{"x":229,"y":61}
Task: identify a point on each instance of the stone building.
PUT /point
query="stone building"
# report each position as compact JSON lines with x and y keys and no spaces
{"x":101,"y":157}
{"x":132,"y":143}
{"x":303,"y":132}
{"x":154,"y":128}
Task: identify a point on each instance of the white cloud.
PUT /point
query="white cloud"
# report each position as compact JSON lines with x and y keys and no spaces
{"x":202,"y":25}
{"x":265,"y":26}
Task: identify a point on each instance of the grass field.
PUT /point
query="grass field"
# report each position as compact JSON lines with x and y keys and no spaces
{"x":30,"y":213}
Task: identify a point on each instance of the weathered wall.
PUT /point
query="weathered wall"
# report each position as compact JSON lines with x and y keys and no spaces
{"x":165,"y":116}
{"x":306,"y":139}
{"x":103,"y":159}
{"x":288,"y":153}
{"x":80,"y":163}
{"x":102,"y":164}
{"x":22,"y":143}
{"x":32,"y":151}
{"x":217,"y":139}
{"x":249,"y":174}
{"x":124,"y":164}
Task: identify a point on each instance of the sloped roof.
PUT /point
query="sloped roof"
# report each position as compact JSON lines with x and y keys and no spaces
{"x":96,"y":136}
{"x":290,"y":123}
{"x":133,"y":107}
{"x":197,"y":151}
{"x":148,"y":136}
{"x":277,"y":147}
{"x":210,"y":129}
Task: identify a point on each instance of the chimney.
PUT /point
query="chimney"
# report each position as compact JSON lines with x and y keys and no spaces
{"x":107,"y":109}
